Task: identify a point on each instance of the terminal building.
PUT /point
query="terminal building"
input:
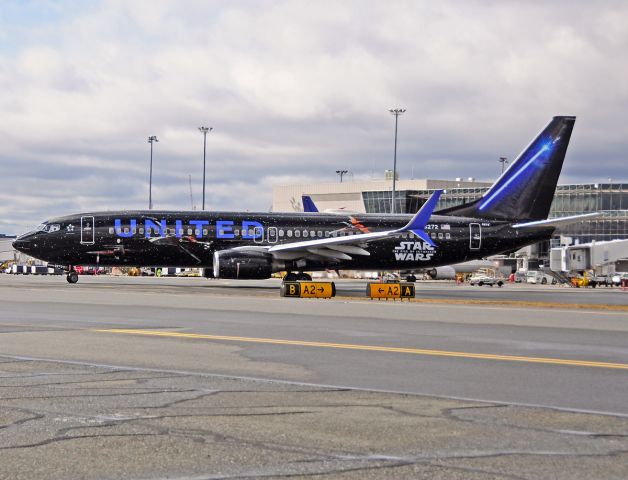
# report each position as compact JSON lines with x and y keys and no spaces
{"x":375,"y":196}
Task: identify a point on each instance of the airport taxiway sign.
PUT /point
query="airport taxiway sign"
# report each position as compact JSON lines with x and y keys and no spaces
{"x":308,"y":289}
{"x":390,"y":290}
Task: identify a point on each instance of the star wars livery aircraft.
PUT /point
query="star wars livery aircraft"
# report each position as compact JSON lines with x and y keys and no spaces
{"x":511,"y":214}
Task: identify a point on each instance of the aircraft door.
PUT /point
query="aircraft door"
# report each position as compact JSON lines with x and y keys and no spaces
{"x":475,"y":236}
{"x":272,"y":234}
{"x":258,"y":235}
{"x":87,"y":230}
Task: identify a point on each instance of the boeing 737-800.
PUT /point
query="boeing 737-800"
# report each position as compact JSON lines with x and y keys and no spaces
{"x":510,"y":215}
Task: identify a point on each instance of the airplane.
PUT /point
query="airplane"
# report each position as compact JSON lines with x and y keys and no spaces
{"x":511,"y":214}
{"x":449,"y":272}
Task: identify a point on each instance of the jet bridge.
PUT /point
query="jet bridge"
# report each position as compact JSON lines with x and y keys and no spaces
{"x":604,"y":258}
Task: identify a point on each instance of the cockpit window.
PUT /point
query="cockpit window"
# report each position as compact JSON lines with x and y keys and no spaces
{"x":48,"y":227}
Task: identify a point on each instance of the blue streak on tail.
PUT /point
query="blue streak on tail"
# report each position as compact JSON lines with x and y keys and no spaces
{"x":308,"y":204}
{"x":546,"y":148}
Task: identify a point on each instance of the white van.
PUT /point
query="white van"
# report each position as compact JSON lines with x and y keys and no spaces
{"x":536,"y":276}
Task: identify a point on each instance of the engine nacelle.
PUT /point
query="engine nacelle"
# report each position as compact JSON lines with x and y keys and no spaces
{"x":242,"y":265}
{"x":442,"y":273}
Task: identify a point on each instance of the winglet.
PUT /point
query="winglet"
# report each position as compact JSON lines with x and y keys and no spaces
{"x":308,"y":204}
{"x":420,"y":219}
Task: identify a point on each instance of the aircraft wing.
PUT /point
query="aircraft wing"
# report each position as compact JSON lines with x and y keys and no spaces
{"x":557,"y":222}
{"x":308,"y":204}
{"x":342,"y":247}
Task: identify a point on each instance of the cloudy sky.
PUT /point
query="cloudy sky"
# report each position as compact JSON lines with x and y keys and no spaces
{"x":294,"y":91}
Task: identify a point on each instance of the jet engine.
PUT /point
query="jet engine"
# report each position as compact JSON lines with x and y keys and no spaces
{"x":242,"y":265}
{"x":442,"y":273}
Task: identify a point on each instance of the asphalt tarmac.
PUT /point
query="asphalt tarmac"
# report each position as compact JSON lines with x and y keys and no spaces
{"x":195,"y":378}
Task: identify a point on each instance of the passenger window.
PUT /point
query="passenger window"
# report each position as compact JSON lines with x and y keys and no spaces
{"x":326,"y":234}
{"x":281,"y":233}
{"x":180,"y":231}
{"x":141,"y":231}
{"x":126,"y":230}
{"x":236,"y":232}
{"x":110,"y":229}
{"x":312,"y":233}
{"x":305,"y":233}
{"x":289,"y":233}
{"x":297,"y":233}
{"x":433,"y":235}
{"x":440,"y":235}
{"x":197,"y":232}
{"x":320,"y":234}
{"x":205,"y":232}
{"x":189,"y":231}
{"x":448,"y":236}
{"x":134,"y":231}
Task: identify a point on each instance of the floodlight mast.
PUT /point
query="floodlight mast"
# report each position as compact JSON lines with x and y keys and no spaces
{"x":503,"y":161}
{"x":341,"y":173}
{"x":204,"y":131}
{"x":151,"y":139}
{"x":396,"y":112}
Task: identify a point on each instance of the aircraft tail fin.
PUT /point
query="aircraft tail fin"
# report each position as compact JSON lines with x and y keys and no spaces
{"x":526,"y":189}
{"x":308,"y":204}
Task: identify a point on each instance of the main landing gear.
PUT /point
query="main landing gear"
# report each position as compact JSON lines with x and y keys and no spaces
{"x":295,"y":277}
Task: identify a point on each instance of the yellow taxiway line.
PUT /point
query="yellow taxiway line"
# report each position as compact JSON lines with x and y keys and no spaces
{"x":371,"y":348}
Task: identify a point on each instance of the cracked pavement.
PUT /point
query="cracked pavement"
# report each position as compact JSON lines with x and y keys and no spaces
{"x":71,"y":420}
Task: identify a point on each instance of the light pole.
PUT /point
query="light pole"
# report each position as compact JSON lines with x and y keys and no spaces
{"x":503,"y":161}
{"x":151,"y":139}
{"x":341,"y":173}
{"x":396,"y":112}
{"x":204,"y":131}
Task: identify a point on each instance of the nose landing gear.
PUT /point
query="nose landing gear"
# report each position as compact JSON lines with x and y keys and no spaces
{"x":72,"y":276}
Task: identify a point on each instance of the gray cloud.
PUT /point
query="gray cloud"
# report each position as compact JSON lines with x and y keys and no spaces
{"x":294,"y":90}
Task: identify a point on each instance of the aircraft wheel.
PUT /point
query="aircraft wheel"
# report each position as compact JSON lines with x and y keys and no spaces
{"x":544,"y":281}
{"x":305,"y":277}
{"x":290,"y":277}
{"x":72,"y":277}
{"x":480,"y":284}
{"x":500,"y":284}
{"x":410,"y":278}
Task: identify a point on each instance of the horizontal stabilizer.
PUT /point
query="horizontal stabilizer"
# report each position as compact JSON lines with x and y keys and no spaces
{"x":557,"y":222}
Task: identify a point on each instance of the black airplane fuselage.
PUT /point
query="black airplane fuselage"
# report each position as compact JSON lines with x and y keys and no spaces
{"x":189,"y":239}
{"x":511,"y":214}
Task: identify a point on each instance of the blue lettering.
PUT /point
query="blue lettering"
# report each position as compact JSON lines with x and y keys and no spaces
{"x":224,"y":229}
{"x":151,"y":225}
{"x":251,"y":225}
{"x":118,"y":227}
{"x":178,"y":228}
{"x":199,"y":225}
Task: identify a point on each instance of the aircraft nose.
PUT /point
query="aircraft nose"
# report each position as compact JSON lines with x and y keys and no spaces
{"x":18,"y":244}
{"x":23,"y":244}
